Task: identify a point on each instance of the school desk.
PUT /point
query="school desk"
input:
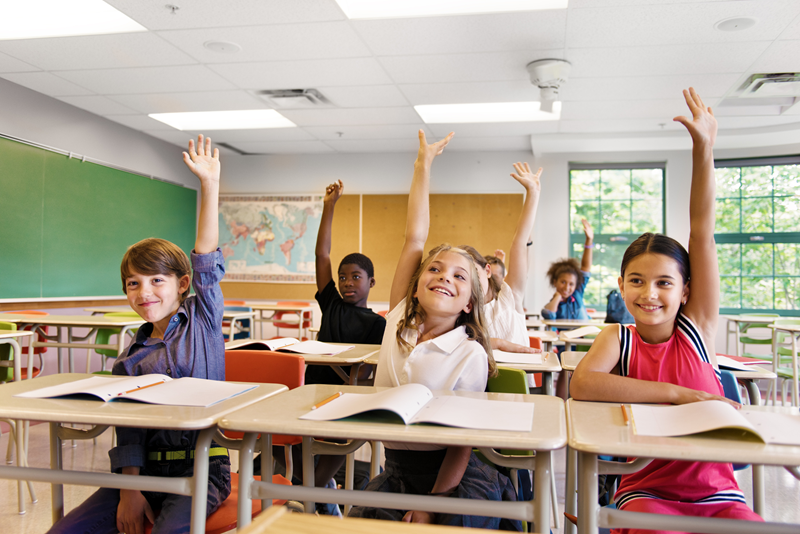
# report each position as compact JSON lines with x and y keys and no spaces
{"x":793,"y":332}
{"x":547,"y":338}
{"x":131,"y":414}
{"x":297,"y":309}
{"x":571,"y":324}
{"x":281,"y":416}
{"x":534,"y":324}
{"x":735,"y":324}
{"x":355,"y":357}
{"x":279,"y":520}
{"x":577,"y":341}
{"x":548,"y":368}
{"x":599,"y":428}
{"x":68,"y":323}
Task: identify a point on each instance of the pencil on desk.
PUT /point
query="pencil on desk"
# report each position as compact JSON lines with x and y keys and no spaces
{"x":137,"y":389}
{"x":326,"y":401}
{"x":625,"y":415}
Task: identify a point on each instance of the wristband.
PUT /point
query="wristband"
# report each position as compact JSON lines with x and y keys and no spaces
{"x":589,"y":246}
{"x":529,"y":243}
{"x":443,"y":493}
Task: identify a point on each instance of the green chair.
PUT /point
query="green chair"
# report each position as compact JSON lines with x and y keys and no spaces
{"x":103,"y":337}
{"x":782,"y":359}
{"x":755,"y":334}
{"x":6,"y":359}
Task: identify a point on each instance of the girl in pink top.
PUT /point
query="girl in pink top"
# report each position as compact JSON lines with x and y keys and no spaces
{"x":669,"y":357}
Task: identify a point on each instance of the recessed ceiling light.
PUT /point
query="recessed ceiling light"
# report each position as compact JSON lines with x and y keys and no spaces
{"x":222,"y":47}
{"x":245,"y":119}
{"x":495,"y":112}
{"x":371,"y":9}
{"x":34,"y":19}
{"x":735,"y":24}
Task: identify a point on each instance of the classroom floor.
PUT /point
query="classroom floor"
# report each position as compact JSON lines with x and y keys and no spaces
{"x":783,"y":490}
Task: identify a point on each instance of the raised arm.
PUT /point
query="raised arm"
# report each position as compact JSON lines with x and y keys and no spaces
{"x":588,"y":246}
{"x":418,"y":218}
{"x":703,"y":302}
{"x":206,"y":167}
{"x":323,"y":250}
{"x":517,"y":267}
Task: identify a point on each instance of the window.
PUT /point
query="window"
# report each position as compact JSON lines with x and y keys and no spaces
{"x":621,"y":202}
{"x":758,"y":234}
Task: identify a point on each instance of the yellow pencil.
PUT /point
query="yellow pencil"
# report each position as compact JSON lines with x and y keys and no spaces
{"x":326,"y":401}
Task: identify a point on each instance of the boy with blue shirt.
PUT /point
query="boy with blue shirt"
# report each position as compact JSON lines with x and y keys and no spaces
{"x":182,"y":337}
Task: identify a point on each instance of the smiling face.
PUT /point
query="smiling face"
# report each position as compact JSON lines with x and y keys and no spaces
{"x":653,"y":290}
{"x":354,"y":284}
{"x":155,"y":297}
{"x":566,"y":285}
{"x":444,"y":287}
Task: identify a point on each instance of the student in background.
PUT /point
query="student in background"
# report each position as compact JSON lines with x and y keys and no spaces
{"x":498,"y":265}
{"x":569,"y":280}
{"x":435,"y":336}
{"x":182,"y":337}
{"x":668,"y":356}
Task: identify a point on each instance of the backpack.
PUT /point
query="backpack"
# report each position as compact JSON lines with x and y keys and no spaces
{"x":616,"y":312}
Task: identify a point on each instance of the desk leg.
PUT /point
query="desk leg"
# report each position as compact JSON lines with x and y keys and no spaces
{"x":70,"y":358}
{"x":759,"y":493}
{"x":547,"y":382}
{"x":375,"y":460}
{"x":266,"y":465}
{"x":566,"y":377}
{"x":587,"y":493}
{"x":354,"y":370}
{"x":20,"y":440}
{"x":200,"y":481}
{"x":55,"y":464}
{"x":795,"y":395}
{"x":60,"y":353}
{"x":245,"y":504}
{"x":541,"y":492}
{"x":753,"y":392}
{"x":571,"y":494}
{"x":308,"y":472}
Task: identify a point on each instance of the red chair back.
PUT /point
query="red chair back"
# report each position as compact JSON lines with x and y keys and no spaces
{"x":279,"y":315}
{"x":235,"y":303}
{"x":39,"y":338}
{"x":383,"y":313}
{"x":536,"y":343}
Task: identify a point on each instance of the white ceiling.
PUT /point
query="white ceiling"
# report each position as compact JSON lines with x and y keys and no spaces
{"x":630,"y":59}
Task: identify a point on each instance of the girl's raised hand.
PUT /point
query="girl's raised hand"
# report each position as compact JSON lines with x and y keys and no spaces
{"x":526,"y":178}
{"x":702,"y":126}
{"x":428,"y":152}
{"x":201,"y":161}
{"x":587,"y":229}
{"x":333,"y":192}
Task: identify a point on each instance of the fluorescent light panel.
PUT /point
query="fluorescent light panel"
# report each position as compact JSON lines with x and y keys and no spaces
{"x":372,"y":9}
{"x":34,"y":19}
{"x":245,"y":119}
{"x":496,"y":112}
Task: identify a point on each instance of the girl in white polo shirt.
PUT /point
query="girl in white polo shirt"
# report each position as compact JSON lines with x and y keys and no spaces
{"x":436,"y":336}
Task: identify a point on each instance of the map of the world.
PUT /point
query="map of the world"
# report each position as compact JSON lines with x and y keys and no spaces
{"x":269,"y":238}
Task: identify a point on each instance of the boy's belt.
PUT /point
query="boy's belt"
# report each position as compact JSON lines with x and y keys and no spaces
{"x":186,"y":454}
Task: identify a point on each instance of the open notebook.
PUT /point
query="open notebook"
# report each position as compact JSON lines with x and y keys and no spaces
{"x":697,"y":417}
{"x":152,"y":389}
{"x":290,"y":344}
{"x":415,"y":403}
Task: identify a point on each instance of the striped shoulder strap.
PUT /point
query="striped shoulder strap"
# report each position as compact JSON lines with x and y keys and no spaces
{"x":625,"y":342}
{"x":690,"y":331}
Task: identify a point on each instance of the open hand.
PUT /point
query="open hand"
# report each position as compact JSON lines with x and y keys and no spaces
{"x":428,"y":152}
{"x":201,"y":162}
{"x":333,"y":192}
{"x":684,"y":395}
{"x":703,"y":126}
{"x":526,"y":178}
{"x":587,"y":229}
{"x":500,"y":254}
{"x":415,"y":516}
{"x":507,"y":346}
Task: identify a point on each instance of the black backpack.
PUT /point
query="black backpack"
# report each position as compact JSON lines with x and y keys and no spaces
{"x":616,"y":312}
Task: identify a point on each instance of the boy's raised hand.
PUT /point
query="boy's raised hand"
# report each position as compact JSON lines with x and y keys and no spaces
{"x":702,"y":126}
{"x":526,"y":178}
{"x":428,"y":152}
{"x":201,"y":161}
{"x":333,"y":192}
{"x":587,"y":229}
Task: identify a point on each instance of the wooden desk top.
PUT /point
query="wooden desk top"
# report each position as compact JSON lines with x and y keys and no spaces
{"x":279,"y":307}
{"x":358,"y":354}
{"x":13,"y":334}
{"x":570,"y":359}
{"x":118,"y":413}
{"x":750,"y":319}
{"x":124,"y":309}
{"x":598,"y":427}
{"x":87,"y":321}
{"x":791,"y":328}
{"x":572,"y":323}
{"x":281,"y":414}
{"x":549,"y":364}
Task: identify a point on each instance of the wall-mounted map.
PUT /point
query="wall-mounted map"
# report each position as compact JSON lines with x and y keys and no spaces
{"x":269,"y":238}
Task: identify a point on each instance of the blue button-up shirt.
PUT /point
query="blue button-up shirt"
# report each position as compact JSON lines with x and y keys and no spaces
{"x":192,"y":346}
{"x":573,"y":307}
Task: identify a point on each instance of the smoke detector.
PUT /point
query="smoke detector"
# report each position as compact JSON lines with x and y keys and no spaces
{"x":293,"y":98}
{"x":548,"y":75}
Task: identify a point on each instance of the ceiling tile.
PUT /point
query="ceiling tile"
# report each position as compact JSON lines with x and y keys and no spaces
{"x":736,"y":123}
{"x":378,"y":131}
{"x":664,"y":60}
{"x":193,"y":101}
{"x":154,"y":15}
{"x":452,"y":68}
{"x":97,"y":104}
{"x":304,"y":74}
{"x":47,"y":83}
{"x":781,"y":56}
{"x":10,"y":64}
{"x":352,"y":116}
{"x":462,"y":34}
{"x":365,"y":96}
{"x":148,"y":80}
{"x":282,"y":147}
{"x":174,"y":137}
{"x":143,"y":122}
{"x":618,"y":125}
{"x":280,"y":42}
{"x":646,"y":87}
{"x":663,"y":110}
{"x":492,"y":129}
{"x":262,"y":134}
{"x":659,"y":24}
{"x":96,"y":52}
{"x":792,"y":32}
{"x":576,"y":4}
{"x":409,"y":146}
{"x":476,"y":144}
{"x":470,"y":92}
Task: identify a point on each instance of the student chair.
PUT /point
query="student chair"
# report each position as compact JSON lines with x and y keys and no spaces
{"x":242,"y":326}
{"x":383,"y":313}
{"x":103,"y":337}
{"x":782,"y":357}
{"x":234,"y":303}
{"x":299,"y":324}
{"x":536,"y":343}
{"x":39,"y":339}
{"x":757,"y":334}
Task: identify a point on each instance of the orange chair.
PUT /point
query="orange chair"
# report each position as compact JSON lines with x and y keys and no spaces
{"x":590,"y":310}
{"x":235,"y":303}
{"x":298,"y":325}
{"x":383,"y":313}
{"x":536,"y":343}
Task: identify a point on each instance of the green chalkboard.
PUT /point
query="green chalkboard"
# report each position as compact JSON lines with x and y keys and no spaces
{"x":65,"y":224}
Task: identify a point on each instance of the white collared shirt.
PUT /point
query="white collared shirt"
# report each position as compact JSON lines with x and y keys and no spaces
{"x":503,"y":321}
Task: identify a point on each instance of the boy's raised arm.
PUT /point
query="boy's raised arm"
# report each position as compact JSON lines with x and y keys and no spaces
{"x":418,"y":218}
{"x":517,"y":268}
{"x":206,"y":167}
{"x":323,"y":250}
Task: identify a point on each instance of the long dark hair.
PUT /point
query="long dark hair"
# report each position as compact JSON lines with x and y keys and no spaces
{"x":651,"y":243}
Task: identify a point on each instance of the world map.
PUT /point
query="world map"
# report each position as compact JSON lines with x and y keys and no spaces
{"x":269,"y":238}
